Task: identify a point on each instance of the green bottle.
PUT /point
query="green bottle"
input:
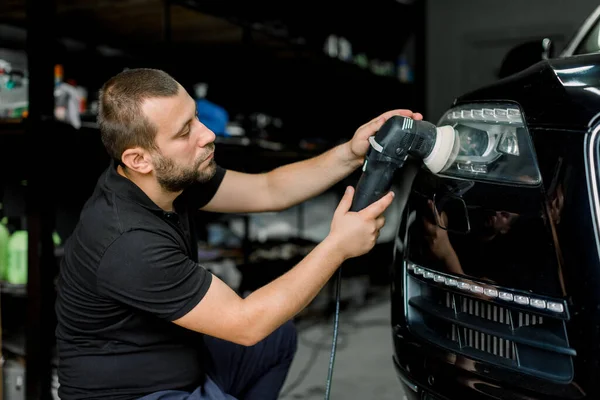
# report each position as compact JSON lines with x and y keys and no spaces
{"x":4,"y":236}
{"x":56,"y":239}
{"x":16,"y":273}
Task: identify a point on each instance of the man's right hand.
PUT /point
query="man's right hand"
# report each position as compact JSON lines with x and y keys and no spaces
{"x":355,"y":233}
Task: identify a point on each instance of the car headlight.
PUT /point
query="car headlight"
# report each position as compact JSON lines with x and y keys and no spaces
{"x":493,"y":144}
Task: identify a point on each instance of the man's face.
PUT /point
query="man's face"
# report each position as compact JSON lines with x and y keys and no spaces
{"x":501,"y":222}
{"x":185,"y":145}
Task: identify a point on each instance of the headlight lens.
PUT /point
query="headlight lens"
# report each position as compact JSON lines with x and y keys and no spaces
{"x":493,"y":144}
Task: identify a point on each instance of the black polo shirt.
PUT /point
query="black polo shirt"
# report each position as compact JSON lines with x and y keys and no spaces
{"x":129,"y":269}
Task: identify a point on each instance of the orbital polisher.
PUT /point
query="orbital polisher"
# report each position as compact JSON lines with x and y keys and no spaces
{"x":399,"y":140}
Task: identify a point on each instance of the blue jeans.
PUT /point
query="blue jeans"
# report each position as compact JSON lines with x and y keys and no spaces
{"x":238,"y":372}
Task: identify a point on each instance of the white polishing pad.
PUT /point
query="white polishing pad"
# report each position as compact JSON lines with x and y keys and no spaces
{"x":442,"y":149}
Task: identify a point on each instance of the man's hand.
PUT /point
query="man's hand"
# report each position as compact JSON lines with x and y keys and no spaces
{"x":439,"y":243}
{"x":438,"y":240}
{"x":359,"y":144}
{"x":355,"y":233}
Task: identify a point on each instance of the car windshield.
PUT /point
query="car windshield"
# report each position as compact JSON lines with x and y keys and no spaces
{"x":591,"y":42}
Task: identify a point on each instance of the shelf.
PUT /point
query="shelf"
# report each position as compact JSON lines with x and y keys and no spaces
{"x":297,"y":82}
{"x":11,"y":127}
{"x":62,"y":147}
{"x":65,"y":144}
{"x":13,"y":290}
{"x":246,"y":59}
{"x":15,"y":344}
{"x":367,"y":28}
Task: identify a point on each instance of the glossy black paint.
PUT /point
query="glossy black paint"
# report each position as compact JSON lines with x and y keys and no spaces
{"x":539,"y":240}
{"x":558,"y":93}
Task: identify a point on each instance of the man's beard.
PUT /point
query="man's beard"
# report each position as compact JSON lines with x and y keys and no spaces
{"x":173,"y":178}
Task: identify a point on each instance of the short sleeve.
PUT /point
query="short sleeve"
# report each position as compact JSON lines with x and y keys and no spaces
{"x":149,"y":272}
{"x":200,"y":194}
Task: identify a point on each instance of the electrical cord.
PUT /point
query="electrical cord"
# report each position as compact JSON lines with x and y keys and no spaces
{"x":317,"y":345}
{"x":336,"y":322}
{"x":302,"y":374}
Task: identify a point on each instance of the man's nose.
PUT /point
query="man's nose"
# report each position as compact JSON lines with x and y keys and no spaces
{"x":206,"y":135}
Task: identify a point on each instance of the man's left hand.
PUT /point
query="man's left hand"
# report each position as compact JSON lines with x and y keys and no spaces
{"x":359,"y":145}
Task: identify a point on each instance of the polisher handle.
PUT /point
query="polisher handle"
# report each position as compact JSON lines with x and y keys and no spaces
{"x":375,"y":181}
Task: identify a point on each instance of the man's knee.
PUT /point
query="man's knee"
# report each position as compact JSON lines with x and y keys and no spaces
{"x":293,"y":335}
{"x":288,"y":338}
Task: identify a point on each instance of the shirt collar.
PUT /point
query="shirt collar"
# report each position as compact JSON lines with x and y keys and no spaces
{"x":125,"y":188}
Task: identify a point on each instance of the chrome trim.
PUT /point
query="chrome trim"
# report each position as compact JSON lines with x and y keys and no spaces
{"x":402,"y":375}
{"x":592,"y":178}
{"x":585,"y":28}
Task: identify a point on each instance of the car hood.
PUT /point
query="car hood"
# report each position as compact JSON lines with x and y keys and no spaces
{"x":560,"y":93}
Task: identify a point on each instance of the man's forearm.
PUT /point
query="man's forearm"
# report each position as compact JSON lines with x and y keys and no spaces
{"x":294,"y":183}
{"x":272,"y":305}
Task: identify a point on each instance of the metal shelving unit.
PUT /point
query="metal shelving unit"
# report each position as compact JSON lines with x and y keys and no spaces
{"x":252,"y":64}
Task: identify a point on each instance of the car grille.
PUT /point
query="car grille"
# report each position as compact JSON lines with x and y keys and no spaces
{"x":481,"y":341}
{"x":506,"y":334}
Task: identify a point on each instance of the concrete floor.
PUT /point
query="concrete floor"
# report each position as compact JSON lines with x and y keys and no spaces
{"x":363,"y":366}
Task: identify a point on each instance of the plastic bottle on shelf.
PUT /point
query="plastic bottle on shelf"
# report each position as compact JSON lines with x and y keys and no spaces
{"x":361,"y":60}
{"x":4,"y":237}
{"x":404,"y":70}
{"x":345,"y":49}
{"x":58,"y":74}
{"x":56,"y":239}
{"x":16,"y":273}
{"x":331,"y":46}
{"x":212,"y":115}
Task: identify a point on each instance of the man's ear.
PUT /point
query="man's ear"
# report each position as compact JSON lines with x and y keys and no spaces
{"x":138,"y":160}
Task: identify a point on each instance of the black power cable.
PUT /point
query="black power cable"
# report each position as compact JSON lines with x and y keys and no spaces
{"x":336,"y":322}
{"x":317,"y":346}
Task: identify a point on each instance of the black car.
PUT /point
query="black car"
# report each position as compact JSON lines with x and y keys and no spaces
{"x":496,"y":277}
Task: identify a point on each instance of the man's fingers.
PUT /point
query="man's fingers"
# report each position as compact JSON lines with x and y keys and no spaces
{"x":346,"y":201}
{"x":388,"y":114}
{"x":380,"y":222}
{"x":379,"y":120}
{"x":445,"y":219}
{"x":375,"y":124}
{"x":377,"y":208}
{"x":433,"y":209}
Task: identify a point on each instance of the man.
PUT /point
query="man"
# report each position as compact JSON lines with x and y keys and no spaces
{"x":137,"y":316}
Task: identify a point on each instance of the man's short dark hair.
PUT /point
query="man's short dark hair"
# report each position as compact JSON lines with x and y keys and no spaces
{"x":122,"y":122}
